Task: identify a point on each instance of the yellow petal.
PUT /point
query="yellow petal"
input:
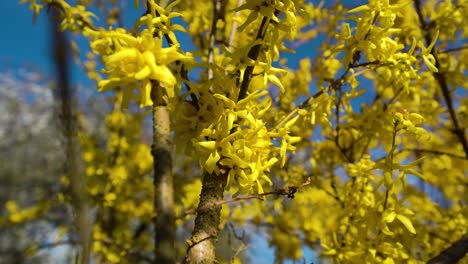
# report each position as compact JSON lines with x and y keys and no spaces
{"x":291,"y":122}
{"x":271,"y":162}
{"x":390,"y":217}
{"x":105,"y":85}
{"x":209,"y":145}
{"x":407,"y":223}
{"x":230,"y":103}
{"x":145,"y":92}
{"x":143,"y":73}
{"x":433,"y":42}
{"x":293,"y":140}
{"x":276,"y":81}
{"x":210,"y":163}
{"x":122,"y":55}
{"x":231,"y":118}
{"x":429,"y":64}
{"x":150,"y":60}
{"x":359,"y":9}
{"x":251,"y":18}
{"x":164,"y":75}
{"x":259,"y":187}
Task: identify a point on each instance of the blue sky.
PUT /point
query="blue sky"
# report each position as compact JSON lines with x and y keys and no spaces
{"x":27,"y":44}
{"x":22,"y":42}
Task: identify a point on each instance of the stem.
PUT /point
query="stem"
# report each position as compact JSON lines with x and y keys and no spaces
{"x":253,"y":54}
{"x":392,"y":151}
{"x":164,"y":221}
{"x":164,"y":224}
{"x":202,"y":245}
{"x":64,"y":95}
{"x":302,"y":105}
{"x":288,"y":192}
{"x":454,"y":49}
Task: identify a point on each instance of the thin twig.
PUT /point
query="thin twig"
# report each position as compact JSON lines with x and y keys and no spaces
{"x":364,"y":64}
{"x":289,"y":192}
{"x":242,"y":238}
{"x":436,"y":152}
{"x":453,"y":49}
{"x":302,"y":105}
{"x":164,"y":222}
{"x":234,"y":26}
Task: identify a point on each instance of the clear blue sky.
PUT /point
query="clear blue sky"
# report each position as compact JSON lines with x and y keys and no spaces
{"x":22,"y":42}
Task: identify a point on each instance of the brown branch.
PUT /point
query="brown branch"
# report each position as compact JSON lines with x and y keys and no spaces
{"x":454,"y":49}
{"x":253,"y":54}
{"x":289,"y":192}
{"x":441,"y":79}
{"x":164,"y":221}
{"x":64,"y":94}
{"x":453,"y":253}
{"x":202,"y":245}
{"x":364,"y":64}
{"x":218,"y":15}
{"x":436,"y":152}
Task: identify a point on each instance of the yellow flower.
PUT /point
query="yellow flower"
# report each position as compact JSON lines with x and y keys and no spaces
{"x":137,"y":61}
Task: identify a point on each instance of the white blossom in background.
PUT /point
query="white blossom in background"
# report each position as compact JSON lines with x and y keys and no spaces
{"x":26,"y":104}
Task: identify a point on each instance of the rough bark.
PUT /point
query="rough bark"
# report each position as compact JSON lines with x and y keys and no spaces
{"x":164,"y":224}
{"x":202,"y":246}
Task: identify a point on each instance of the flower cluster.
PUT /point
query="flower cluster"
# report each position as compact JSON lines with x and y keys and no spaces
{"x":136,"y":62}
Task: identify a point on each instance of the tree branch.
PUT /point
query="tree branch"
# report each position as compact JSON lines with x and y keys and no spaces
{"x":452,"y":254}
{"x":253,"y":54}
{"x":163,"y":183}
{"x":441,"y":79}
{"x":454,"y":49}
{"x":202,"y":245}
{"x":436,"y":152}
{"x":289,"y":192}
{"x":64,"y":94}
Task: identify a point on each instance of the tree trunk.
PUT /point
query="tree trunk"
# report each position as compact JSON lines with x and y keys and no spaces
{"x":202,"y":245}
{"x":64,"y":96}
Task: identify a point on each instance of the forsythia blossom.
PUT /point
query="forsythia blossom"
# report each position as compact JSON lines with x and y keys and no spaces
{"x":136,"y":61}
